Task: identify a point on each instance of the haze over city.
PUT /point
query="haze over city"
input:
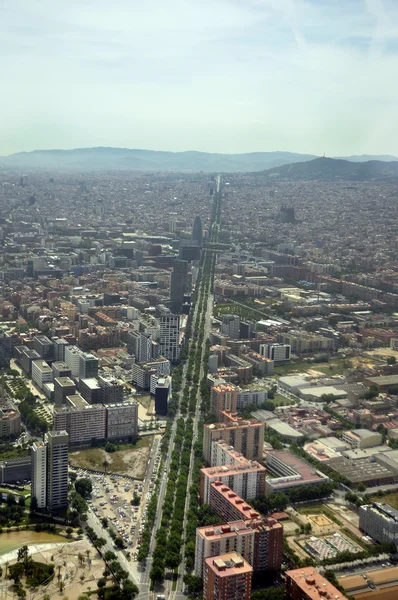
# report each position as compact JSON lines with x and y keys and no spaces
{"x":217,"y":75}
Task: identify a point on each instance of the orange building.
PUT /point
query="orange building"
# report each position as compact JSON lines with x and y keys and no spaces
{"x":227,"y":577}
{"x":308,"y":584}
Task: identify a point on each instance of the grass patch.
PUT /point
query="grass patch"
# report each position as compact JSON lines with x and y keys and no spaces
{"x":280,"y":400}
{"x":391,"y":499}
{"x":333,"y":367}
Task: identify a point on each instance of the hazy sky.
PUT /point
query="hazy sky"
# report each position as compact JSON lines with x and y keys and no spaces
{"x":214,"y":75}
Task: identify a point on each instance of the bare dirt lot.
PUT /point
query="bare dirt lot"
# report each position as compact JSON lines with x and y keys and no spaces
{"x":129,"y":460}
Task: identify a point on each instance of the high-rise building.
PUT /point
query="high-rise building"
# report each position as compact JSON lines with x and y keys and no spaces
{"x":197,"y":231}
{"x":246,"y":478}
{"x":59,"y":348}
{"x":170,"y":346}
{"x":222,"y":397}
{"x":246,"y":436}
{"x":162,"y":395}
{"x":227,"y":577}
{"x":72,"y":359}
{"x":230,"y":326}
{"x":279,"y":353}
{"x":6,"y":348}
{"x":84,"y":422}
{"x":179,"y":285}
{"x":41,"y":373}
{"x":122,"y":421}
{"x":44,"y":347}
{"x":91,"y":390}
{"x":228,"y":505}
{"x":259,"y":542}
{"x":57,"y":469}
{"x":112,"y":390}
{"x":63,"y":387}
{"x":307,"y":584}
{"x":60,"y":369}
{"x":39,"y":473}
{"x":145,"y":348}
{"x":88,"y":366}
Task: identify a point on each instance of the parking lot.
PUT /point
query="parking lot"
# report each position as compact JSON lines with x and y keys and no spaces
{"x":112,"y":497}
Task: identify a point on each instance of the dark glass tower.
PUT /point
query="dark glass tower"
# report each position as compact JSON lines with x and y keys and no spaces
{"x":197,"y":231}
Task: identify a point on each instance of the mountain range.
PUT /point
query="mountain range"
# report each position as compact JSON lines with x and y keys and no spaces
{"x":332,"y":169}
{"x":110,"y":159}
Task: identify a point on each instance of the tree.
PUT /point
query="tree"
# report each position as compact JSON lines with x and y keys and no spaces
{"x":109,"y":556}
{"x":391,"y":360}
{"x":21,"y":501}
{"x":104,"y":522}
{"x":69,"y":531}
{"x":33,"y":504}
{"x":11,"y":500}
{"x":119,"y":543}
{"x":84,"y":487}
{"x":101,"y":583}
{"x":16,"y":571}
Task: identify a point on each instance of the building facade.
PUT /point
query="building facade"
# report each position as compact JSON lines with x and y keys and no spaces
{"x":380,"y":521}
{"x":227,"y":577}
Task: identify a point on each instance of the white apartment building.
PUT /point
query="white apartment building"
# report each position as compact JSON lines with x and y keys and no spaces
{"x":39,"y":473}
{"x":250,"y":398}
{"x":170,"y":346}
{"x":41,"y":373}
{"x":277,"y":352}
{"x":72,"y":359}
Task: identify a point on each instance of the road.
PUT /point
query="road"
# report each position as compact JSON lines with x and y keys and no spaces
{"x":178,"y":593}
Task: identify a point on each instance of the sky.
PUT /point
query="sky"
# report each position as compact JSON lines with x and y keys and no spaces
{"x":312,"y":76}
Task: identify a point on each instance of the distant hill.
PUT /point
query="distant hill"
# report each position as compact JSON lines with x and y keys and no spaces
{"x":148,"y":160}
{"x":330,"y":169}
{"x":104,"y":158}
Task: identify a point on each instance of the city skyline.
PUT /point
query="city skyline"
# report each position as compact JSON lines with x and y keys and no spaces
{"x":294,"y":75}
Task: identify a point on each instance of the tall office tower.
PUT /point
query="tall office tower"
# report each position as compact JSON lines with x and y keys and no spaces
{"x":39,"y":473}
{"x":197,"y":231}
{"x":63,"y":387}
{"x":178,"y":285}
{"x":162,"y":395}
{"x":227,"y":577}
{"x":88,"y":366}
{"x":59,"y":348}
{"x":145,"y":348}
{"x":57,"y":469}
{"x":230,"y":326}
{"x":6,"y":347}
{"x":72,"y":359}
{"x":170,"y":346}
{"x":44,"y":347}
